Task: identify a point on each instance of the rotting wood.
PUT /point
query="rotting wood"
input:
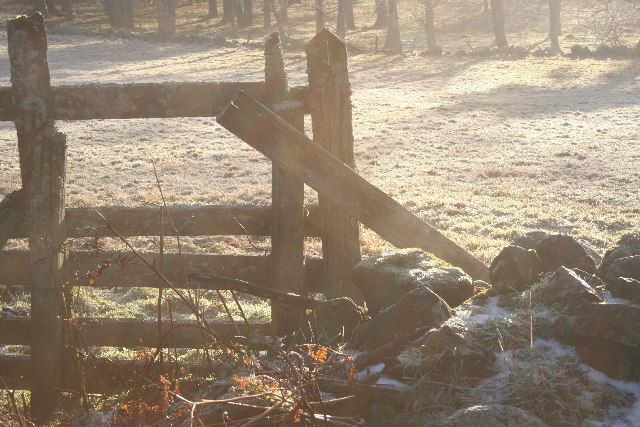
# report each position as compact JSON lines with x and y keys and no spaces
{"x":266,"y":132}
{"x":275,"y":295}
{"x":14,"y":269}
{"x":220,"y":220}
{"x":131,"y":333}
{"x":330,"y":106}
{"x":42,"y":151}
{"x":143,"y":100}
{"x":287,"y":206}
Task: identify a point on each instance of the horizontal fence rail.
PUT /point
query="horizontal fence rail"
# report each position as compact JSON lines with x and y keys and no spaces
{"x":15,"y":266}
{"x":218,"y":220}
{"x":132,"y":333}
{"x":143,"y":100}
{"x":102,"y":375}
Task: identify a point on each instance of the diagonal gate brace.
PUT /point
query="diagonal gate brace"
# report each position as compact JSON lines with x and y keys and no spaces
{"x":282,"y":143}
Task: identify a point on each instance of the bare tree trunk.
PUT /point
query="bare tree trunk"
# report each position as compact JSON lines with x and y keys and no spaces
{"x":213,"y":9}
{"x":430,"y":29}
{"x":382,"y":14}
{"x":67,"y":9}
{"x":554,"y":25}
{"x":350,"y":20}
{"x":41,"y":6}
{"x":320,"y":22}
{"x":238,"y":14}
{"x":283,"y":6}
{"x":227,"y":11}
{"x":51,"y":8}
{"x":341,"y":28}
{"x":266,"y":14}
{"x":166,"y":18}
{"x":248,"y":13}
{"x":127,"y":10}
{"x":280,"y":21}
{"x":497,"y":10}
{"x":393,"y":42}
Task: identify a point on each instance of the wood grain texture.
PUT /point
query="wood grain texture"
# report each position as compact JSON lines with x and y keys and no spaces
{"x":275,"y":138}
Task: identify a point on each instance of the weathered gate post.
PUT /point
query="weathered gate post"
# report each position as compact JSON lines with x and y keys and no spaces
{"x":330,"y":105}
{"x":287,"y":237}
{"x":42,"y":152}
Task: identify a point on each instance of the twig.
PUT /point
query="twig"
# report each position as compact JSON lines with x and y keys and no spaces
{"x":227,"y":283}
{"x":150,"y":265}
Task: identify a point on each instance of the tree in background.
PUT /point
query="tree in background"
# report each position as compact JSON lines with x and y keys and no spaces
{"x":119,"y":13}
{"x":554,"y":25}
{"x":497,"y":11}
{"x":166,"y":10}
{"x":382,"y":14}
{"x":341,"y":21}
{"x":430,"y":29}
{"x":320,"y":19}
{"x":213,"y":9}
{"x":393,"y":42}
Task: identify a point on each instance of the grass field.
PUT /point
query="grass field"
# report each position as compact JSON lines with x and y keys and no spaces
{"x":482,"y":149}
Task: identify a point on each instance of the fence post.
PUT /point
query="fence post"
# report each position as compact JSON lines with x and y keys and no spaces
{"x":330,"y":105}
{"x":287,"y":238}
{"x":42,"y":152}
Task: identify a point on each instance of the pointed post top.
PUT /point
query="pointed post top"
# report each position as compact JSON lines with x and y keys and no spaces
{"x":326,"y":37}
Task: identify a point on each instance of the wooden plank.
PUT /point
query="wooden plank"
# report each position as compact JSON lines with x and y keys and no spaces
{"x":42,"y":151}
{"x":131,"y":333}
{"x":330,"y":104}
{"x":287,"y":192}
{"x":146,"y":100}
{"x":15,"y":266}
{"x":143,"y":100}
{"x":266,"y":132}
{"x":102,"y":375}
{"x":219,"y":220}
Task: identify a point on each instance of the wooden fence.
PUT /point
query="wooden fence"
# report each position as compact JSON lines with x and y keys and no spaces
{"x":275,"y":127}
{"x":38,"y":211}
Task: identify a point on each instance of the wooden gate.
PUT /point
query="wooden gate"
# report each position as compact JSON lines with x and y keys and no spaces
{"x":38,"y":211}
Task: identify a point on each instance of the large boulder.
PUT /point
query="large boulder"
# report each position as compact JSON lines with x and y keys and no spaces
{"x":420,"y":308}
{"x":628,"y":267}
{"x":492,"y":416}
{"x":557,"y":250}
{"x":627,"y":289}
{"x":335,"y":316}
{"x":385,"y":278}
{"x":627,"y":245}
{"x":515,"y":267}
{"x":604,"y":337}
{"x":565,"y":286}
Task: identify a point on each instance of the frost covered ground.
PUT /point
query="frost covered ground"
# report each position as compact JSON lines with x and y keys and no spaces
{"x":482,"y":149}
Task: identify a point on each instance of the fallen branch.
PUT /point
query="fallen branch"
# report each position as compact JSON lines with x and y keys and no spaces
{"x":229,"y":284}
